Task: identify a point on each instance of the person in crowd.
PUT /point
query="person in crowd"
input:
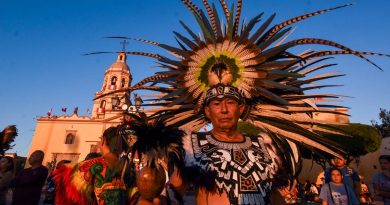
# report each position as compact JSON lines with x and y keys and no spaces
{"x":336,"y":192}
{"x":6,"y":176}
{"x":350,"y":176}
{"x":306,"y":190}
{"x":310,"y":191}
{"x":365,"y":195}
{"x":289,"y":193}
{"x":29,"y":182}
{"x":50,"y":189}
{"x":314,"y":192}
{"x":381,"y":181}
{"x":94,"y":181}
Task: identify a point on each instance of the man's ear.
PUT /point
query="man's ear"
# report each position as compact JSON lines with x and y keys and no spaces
{"x":207,"y":112}
{"x":241,"y":107}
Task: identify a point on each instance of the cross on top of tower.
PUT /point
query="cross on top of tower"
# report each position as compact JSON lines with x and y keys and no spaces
{"x":124,"y":43}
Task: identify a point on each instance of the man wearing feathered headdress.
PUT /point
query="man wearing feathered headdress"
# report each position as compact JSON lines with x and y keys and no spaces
{"x":239,"y":168}
{"x":242,"y":69}
{"x":225,"y":165}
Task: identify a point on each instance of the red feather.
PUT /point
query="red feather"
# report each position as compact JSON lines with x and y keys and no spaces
{"x":66,"y":192}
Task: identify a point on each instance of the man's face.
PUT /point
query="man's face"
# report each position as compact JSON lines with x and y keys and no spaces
{"x":224,"y":113}
{"x":35,"y":157}
{"x":339,"y":162}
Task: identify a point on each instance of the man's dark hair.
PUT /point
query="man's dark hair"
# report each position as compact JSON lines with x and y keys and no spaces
{"x":109,"y":134}
{"x":114,"y":140}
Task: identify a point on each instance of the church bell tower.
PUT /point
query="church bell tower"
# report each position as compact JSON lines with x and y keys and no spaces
{"x":116,"y":77}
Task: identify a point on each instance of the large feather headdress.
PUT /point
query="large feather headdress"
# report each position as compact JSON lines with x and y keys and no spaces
{"x":257,"y":59}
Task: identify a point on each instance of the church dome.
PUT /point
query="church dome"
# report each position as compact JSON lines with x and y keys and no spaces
{"x":120,"y":64}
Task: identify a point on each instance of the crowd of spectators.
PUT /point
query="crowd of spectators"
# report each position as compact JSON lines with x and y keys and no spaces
{"x":341,"y":185}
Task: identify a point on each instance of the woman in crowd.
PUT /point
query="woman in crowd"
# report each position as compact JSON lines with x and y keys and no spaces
{"x":6,"y":176}
{"x":336,"y":192}
{"x":381,"y":181}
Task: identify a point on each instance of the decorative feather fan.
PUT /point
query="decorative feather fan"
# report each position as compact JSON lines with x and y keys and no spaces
{"x":255,"y":58}
{"x":157,"y":141}
{"x":7,"y":137}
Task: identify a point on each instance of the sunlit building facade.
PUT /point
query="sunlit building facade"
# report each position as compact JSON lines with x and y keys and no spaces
{"x":72,"y":137}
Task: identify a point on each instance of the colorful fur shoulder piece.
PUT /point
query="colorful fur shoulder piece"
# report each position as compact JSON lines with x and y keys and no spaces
{"x":75,"y":184}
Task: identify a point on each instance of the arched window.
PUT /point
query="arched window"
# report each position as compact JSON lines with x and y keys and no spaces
{"x":123,"y":82}
{"x":104,"y":84}
{"x":103,"y":104}
{"x":113,"y":80}
{"x":69,"y":139}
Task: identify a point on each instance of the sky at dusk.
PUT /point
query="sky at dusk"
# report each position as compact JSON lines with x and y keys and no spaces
{"x":42,"y":43}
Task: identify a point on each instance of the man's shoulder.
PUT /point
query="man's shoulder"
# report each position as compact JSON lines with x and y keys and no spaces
{"x":46,"y":170}
{"x":195,"y":137}
{"x":43,"y":169}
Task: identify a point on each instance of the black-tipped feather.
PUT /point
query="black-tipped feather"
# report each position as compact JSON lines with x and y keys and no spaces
{"x":157,"y":141}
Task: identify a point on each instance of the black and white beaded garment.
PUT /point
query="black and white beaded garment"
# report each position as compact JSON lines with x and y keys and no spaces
{"x":245,"y":170}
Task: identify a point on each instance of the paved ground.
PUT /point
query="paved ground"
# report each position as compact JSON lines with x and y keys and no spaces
{"x":189,"y":199}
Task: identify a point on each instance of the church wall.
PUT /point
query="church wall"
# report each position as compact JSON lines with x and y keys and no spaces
{"x":43,"y":130}
{"x":50,"y":137}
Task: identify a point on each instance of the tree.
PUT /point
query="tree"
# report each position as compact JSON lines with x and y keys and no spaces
{"x":360,"y":140}
{"x":384,"y":126}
